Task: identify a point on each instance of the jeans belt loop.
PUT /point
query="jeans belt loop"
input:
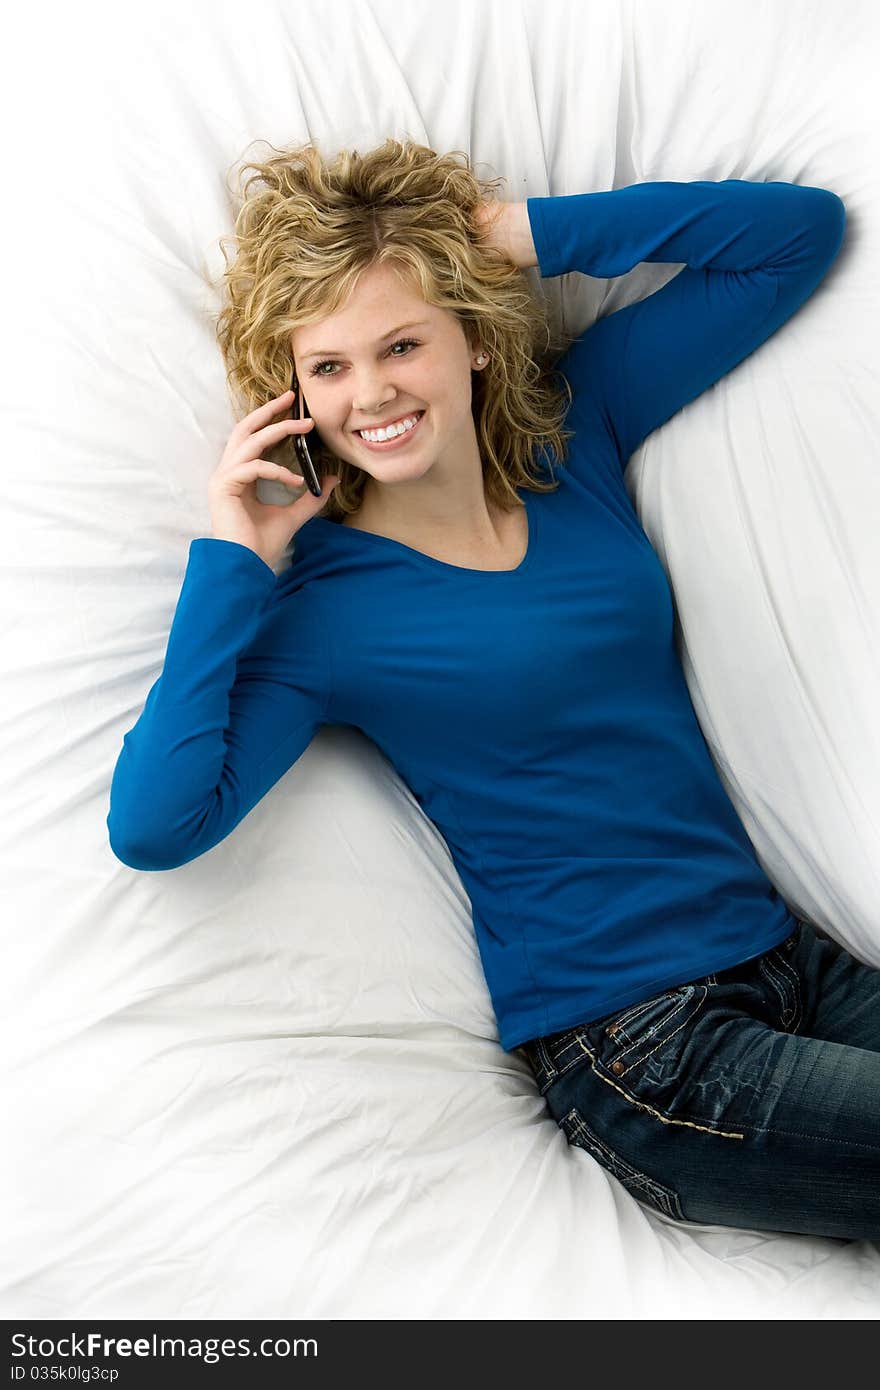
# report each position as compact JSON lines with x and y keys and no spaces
{"x":548,"y":1066}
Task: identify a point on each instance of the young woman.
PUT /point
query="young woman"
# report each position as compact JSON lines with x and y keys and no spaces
{"x":474,"y":591}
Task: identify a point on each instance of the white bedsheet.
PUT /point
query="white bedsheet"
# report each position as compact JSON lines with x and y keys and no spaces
{"x":269,"y":1084}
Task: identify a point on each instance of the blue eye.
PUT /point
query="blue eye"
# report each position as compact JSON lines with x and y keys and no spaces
{"x":329,"y":362}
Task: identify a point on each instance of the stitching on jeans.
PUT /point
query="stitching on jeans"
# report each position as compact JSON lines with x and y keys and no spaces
{"x":730,"y":1134}
{"x":642,"y":1105}
{"x":780,"y":980}
{"x":820,"y":1138}
{"x":622,"y":1019}
{"x":770,"y":973}
{"x":789,"y":970}
{"x":544,"y":1057}
{"x":723,"y":1133}
{"x":790,"y":973}
{"x":770,"y":965}
{"x":798,"y":1134}
{"x":667,"y":1018}
{"x":615,"y":1162}
{"x":617,"y":1165}
{"x":619,"y":1168}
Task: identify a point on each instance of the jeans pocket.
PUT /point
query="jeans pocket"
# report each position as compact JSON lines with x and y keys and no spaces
{"x":644,"y":1188}
{"x":782,"y":980}
{"x":651,"y":1056}
{"x":624,"y":1041}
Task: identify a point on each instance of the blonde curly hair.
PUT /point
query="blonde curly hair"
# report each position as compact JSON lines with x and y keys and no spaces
{"x":306,"y":229}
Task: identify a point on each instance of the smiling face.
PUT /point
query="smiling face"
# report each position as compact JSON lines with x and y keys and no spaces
{"x":356,"y":372}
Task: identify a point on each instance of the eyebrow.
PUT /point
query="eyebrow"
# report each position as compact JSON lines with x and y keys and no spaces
{"x":330,"y":352}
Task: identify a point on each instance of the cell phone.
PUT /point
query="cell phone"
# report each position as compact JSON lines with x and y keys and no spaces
{"x":307,"y":464}
{"x":268,"y":490}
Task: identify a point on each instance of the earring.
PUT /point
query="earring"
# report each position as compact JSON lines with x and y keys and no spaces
{"x":483,"y":357}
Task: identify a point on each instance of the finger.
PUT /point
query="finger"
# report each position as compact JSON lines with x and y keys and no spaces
{"x":262,"y":468}
{"x":248,"y":471}
{"x":254,"y":445}
{"x":281,"y":427}
{"x":265,"y":412}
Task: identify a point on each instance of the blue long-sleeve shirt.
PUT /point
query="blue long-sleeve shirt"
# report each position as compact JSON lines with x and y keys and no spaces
{"x":539,"y":715}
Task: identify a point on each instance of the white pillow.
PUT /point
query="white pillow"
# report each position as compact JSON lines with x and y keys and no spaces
{"x":269,"y":1084}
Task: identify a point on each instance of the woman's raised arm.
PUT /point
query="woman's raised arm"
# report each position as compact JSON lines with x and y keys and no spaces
{"x":752,"y":252}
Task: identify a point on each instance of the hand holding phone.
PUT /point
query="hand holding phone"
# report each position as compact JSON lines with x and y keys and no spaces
{"x":306,"y":463}
{"x":267,"y":490}
{"x":237,"y":514}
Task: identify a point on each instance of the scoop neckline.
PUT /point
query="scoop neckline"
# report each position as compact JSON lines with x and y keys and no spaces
{"x":431,"y":560}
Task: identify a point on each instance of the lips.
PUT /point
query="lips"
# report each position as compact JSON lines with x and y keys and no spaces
{"x":394,"y":420}
{"x":399,"y":440}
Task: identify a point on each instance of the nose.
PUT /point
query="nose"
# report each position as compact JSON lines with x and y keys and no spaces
{"x":373,"y":393}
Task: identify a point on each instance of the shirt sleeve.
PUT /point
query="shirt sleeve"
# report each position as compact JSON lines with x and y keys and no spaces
{"x":243,"y":689}
{"x":752,"y":253}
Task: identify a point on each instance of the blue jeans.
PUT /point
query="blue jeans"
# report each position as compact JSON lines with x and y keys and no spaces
{"x":750,"y":1097}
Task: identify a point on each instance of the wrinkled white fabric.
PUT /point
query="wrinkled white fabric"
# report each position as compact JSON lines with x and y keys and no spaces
{"x":268,"y":1084}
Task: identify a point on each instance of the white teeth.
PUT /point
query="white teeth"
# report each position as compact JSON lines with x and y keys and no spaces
{"x":376,"y":436}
